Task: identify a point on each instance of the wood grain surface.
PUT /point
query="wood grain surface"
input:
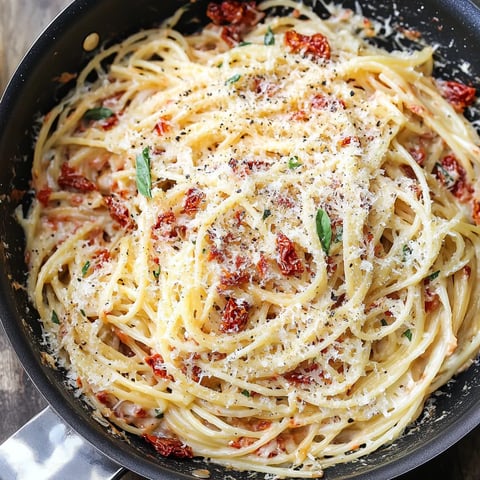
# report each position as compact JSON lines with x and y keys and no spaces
{"x":21,"y":21}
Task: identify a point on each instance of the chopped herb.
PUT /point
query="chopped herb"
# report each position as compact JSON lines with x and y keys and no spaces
{"x":269,"y":38}
{"x":233,"y":79}
{"x":144,"y":179}
{"x":339,"y":234}
{"x":324,"y":229}
{"x":158,"y":413}
{"x":85,"y":267}
{"x":97,"y":113}
{"x":407,"y":251}
{"x":55,"y":318}
{"x":434,"y":275}
{"x":408,"y":334}
{"x":447,"y":178}
{"x":383,"y":322}
{"x":156,"y":273}
{"x":246,"y":393}
{"x":293,"y":163}
{"x":266,"y":214}
{"x":244,"y":44}
{"x":82,"y":311}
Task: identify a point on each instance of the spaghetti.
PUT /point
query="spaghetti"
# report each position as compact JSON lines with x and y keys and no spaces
{"x":258,"y":243}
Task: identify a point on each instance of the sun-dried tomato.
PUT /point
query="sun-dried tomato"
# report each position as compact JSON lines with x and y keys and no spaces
{"x":234,"y":13}
{"x":233,"y":279}
{"x":157,"y":364}
{"x":106,"y":398}
{"x":349,"y":140}
{"x":193,"y":198}
{"x":324,"y":102}
{"x":165,"y":218}
{"x":169,"y":447}
{"x":287,"y":260}
{"x":418,"y":154}
{"x":234,"y":316}
{"x":43,"y":195}
{"x":70,"y":179}
{"x":166,"y":226}
{"x":262,"y":267}
{"x":432,"y":300}
{"x":301,"y":375}
{"x":457,"y":94}
{"x":316,"y":45}
{"x":236,"y":18}
{"x":453,"y":176}
{"x":101,"y":256}
{"x":119,"y":212}
{"x":261,"y":86}
{"x":110,"y":122}
{"x":476,"y":211}
{"x":242,"y":442}
{"x":162,"y":126}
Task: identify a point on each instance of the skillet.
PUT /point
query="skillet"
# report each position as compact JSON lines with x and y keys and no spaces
{"x":453,"y":24}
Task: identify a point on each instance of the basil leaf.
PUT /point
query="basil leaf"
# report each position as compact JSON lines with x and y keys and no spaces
{"x":434,"y":275}
{"x":55,"y":318}
{"x":293,"y":163}
{"x":408,"y":334}
{"x":246,"y":393}
{"x":233,"y":79}
{"x":97,"y":113}
{"x":269,"y":38}
{"x":85,"y":267}
{"x":157,"y":272}
{"x":324,"y":229}
{"x":144,"y":179}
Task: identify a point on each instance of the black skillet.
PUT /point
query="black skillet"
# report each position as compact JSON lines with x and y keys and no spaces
{"x":454,"y":25}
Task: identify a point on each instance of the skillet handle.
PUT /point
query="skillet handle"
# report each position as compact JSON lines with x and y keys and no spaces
{"x":46,"y":449}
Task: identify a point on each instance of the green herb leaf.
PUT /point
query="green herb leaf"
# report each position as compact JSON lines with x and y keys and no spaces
{"x":144,"y":179}
{"x":246,"y":393}
{"x":158,"y":413}
{"x":339,"y":234}
{"x":434,"y":275}
{"x":244,"y":44}
{"x":156,"y":273}
{"x":293,"y":163}
{"x":447,"y":178}
{"x":82,"y":311}
{"x":97,"y":113}
{"x":269,"y":38}
{"x":324,"y":229}
{"x":408,"y":334}
{"x":407,"y":251}
{"x":85,"y":267}
{"x":383,"y":322}
{"x":266,"y":214}
{"x":55,"y":318}
{"x":233,"y":79}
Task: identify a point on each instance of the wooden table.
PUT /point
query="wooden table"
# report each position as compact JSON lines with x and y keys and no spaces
{"x":20,"y":23}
